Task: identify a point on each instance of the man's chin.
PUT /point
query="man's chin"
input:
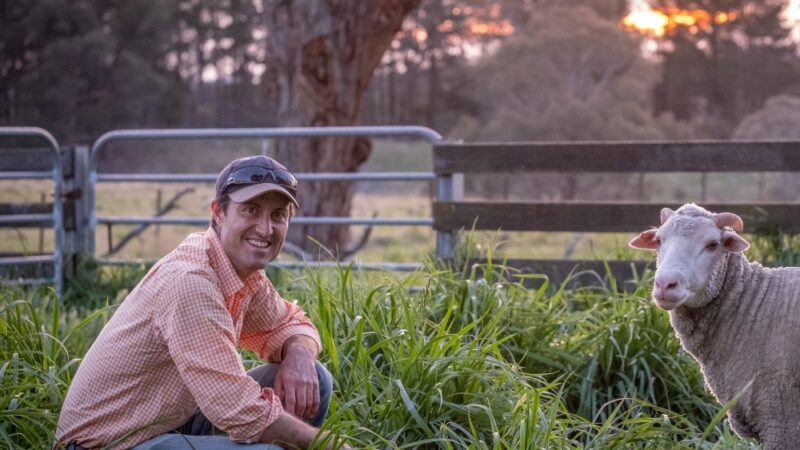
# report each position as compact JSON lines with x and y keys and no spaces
{"x":262,"y":263}
{"x":257,"y":264}
{"x":258,"y":256}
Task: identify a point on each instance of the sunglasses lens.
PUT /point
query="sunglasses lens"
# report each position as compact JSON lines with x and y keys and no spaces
{"x":255,"y":174}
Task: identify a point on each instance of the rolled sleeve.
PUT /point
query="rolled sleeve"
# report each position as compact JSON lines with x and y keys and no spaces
{"x":270,"y":321}
{"x":200,"y":336}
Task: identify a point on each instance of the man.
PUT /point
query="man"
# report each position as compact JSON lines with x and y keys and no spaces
{"x":165,"y":367}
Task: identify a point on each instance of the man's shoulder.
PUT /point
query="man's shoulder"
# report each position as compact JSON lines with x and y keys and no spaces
{"x":189,"y":262}
{"x":193,"y":254}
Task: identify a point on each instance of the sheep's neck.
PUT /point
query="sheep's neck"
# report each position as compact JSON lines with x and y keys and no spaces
{"x":720,"y":319}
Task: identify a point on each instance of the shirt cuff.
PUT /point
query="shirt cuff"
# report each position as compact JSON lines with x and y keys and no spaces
{"x":274,"y":411}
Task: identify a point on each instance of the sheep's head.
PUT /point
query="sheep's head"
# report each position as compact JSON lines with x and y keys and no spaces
{"x":691,"y":244}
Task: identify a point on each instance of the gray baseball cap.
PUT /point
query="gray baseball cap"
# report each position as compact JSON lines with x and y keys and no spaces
{"x":247,"y":178}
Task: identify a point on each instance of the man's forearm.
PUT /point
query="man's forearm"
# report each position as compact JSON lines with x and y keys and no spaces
{"x":296,"y":433}
{"x":289,"y":430}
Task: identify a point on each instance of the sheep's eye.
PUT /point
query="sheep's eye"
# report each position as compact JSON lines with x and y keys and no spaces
{"x":711,"y":246}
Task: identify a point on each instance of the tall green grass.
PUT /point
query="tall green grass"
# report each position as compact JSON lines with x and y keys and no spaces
{"x":443,"y":358}
{"x":483,"y":362}
{"x":40,"y":345}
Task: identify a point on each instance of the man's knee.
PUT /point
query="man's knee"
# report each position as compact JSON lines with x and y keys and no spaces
{"x":325,"y":380}
{"x":181,"y":442}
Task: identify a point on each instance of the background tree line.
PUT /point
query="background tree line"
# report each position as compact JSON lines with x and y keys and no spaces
{"x":472,"y":70}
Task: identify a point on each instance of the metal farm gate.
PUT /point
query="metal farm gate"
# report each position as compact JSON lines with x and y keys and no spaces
{"x":34,"y":267}
{"x":73,"y":218}
{"x":82,"y":165}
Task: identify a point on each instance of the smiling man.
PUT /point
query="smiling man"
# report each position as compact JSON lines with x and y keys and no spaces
{"x":165,"y":373}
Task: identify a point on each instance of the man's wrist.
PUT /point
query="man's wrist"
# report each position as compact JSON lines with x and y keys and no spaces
{"x":300,"y":343}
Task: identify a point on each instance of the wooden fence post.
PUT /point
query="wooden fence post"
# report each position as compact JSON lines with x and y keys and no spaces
{"x":75,"y":208}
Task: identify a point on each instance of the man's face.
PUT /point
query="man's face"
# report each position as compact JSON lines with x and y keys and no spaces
{"x":252,"y":233}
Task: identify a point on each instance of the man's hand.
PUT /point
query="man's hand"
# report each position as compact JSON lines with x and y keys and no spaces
{"x":296,"y":382}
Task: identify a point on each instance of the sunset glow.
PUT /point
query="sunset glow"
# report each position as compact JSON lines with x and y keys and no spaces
{"x":658,"y":22}
{"x":500,"y":28}
{"x":649,"y":22}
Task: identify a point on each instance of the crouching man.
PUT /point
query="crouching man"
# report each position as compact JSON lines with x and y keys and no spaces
{"x":165,"y":372}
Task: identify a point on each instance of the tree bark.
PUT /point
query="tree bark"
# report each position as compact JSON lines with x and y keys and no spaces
{"x":325,"y":52}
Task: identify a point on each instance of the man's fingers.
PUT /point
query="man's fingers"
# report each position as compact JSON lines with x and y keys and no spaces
{"x":313,"y":404}
{"x":278,"y":387}
{"x":300,"y":402}
{"x":289,"y":402}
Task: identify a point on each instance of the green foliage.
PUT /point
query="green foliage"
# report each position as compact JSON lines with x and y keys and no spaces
{"x":443,"y":359}
{"x":40,"y":346}
{"x":95,"y":285}
{"x":773,"y":248}
{"x":439,"y":360}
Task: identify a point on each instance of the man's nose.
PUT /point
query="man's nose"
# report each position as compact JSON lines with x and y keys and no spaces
{"x":264,"y":225}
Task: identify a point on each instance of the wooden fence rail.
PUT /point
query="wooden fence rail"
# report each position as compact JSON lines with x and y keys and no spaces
{"x":612,"y":217}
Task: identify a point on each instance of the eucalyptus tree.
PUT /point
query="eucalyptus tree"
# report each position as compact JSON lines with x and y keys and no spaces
{"x":324,"y":53}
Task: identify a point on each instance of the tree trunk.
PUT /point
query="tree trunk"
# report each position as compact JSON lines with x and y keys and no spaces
{"x":325,"y":52}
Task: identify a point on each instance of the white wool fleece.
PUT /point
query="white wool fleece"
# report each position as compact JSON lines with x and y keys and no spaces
{"x":749,"y":330}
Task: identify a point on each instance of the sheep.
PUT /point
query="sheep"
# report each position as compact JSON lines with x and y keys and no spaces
{"x":739,"y":320}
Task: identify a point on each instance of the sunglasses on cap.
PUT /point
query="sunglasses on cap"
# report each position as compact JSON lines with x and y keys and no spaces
{"x":259,"y":174}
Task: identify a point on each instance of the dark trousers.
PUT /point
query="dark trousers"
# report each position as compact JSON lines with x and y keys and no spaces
{"x":265,"y":375}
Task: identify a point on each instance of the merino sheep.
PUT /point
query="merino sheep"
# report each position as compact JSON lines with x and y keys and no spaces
{"x":739,"y":320}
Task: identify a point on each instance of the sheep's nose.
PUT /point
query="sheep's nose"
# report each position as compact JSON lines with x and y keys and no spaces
{"x":665,"y":283}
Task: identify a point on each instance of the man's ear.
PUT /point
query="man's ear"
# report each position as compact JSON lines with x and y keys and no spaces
{"x":732,"y":242}
{"x":646,"y":240}
{"x":216,"y":211}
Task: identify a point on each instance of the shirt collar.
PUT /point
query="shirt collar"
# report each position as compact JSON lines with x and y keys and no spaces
{"x":230,"y":283}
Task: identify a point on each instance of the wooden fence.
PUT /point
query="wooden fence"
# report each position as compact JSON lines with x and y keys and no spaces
{"x":623,"y":157}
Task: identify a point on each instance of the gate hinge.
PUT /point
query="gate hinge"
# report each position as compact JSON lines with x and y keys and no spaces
{"x":74,"y":194}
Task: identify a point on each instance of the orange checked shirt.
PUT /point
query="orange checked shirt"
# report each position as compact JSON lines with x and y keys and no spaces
{"x":171,"y":348}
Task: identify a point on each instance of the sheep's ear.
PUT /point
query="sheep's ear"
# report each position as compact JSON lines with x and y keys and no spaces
{"x":732,"y":242}
{"x":666,"y":213}
{"x":646,"y":240}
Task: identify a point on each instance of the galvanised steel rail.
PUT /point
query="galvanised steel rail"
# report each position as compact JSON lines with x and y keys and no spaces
{"x":28,"y":260}
{"x":212,"y":177}
{"x":11,"y":219}
{"x":263,"y":133}
{"x":56,"y":219}
{"x":204,"y":221}
{"x":33,"y":175}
